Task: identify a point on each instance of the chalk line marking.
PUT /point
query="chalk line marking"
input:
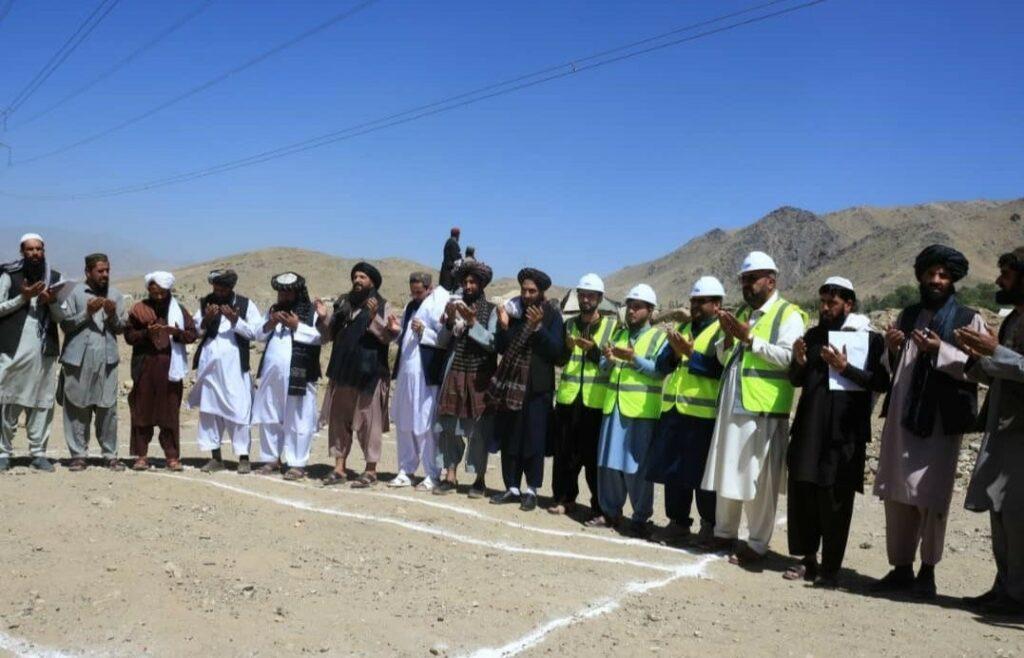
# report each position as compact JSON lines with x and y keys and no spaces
{"x":592,"y":610}
{"x":427,"y":529}
{"x":637,"y":543}
{"x":27,"y":649}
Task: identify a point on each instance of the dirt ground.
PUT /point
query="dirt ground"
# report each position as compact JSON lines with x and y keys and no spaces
{"x":101,"y":563}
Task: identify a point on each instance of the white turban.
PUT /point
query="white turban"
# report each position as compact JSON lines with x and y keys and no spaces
{"x":31,"y":236}
{"x":163,"y":279}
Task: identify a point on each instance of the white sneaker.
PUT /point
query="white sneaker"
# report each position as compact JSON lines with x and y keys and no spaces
{"x":400,"y":480}
{"x":427,"y":484}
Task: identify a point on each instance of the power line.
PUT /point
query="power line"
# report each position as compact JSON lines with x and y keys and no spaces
{"x":166,"y":32}
{"x":70,"y":45}
{"x":337,"y":18}
{"x":518,"y":83}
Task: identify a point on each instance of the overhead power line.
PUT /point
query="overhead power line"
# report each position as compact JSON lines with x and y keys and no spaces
{"x":70,"y":45}
{"x":265,"y":55}
{"x":163,"y":34}
{"x":573,"y":67}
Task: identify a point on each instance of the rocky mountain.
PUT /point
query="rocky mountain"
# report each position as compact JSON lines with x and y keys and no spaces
{"x":874,"y":247}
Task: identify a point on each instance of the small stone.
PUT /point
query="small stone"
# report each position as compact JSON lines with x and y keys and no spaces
{"x":698,"y":634}
{"x":866,"y":545}
{"x":172,"y":570}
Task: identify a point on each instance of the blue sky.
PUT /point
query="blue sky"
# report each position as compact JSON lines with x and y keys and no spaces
{"x":845,"y":103}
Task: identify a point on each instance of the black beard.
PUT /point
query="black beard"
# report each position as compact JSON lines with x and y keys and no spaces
{"x":357,"y":297}
{"x":471,"y":299}
{"x":34,"y":269}
{"x":832,"y":325}
{"x":100,"y":289}
{"x":1013,"y":297}
{"x":931,"y":299}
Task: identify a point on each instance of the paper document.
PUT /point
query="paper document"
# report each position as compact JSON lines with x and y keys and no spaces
{"x":62,"y":289}
{"x":856,"y":344}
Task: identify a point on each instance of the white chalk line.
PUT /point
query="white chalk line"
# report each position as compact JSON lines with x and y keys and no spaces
{"x":635,"y":543}
{"x":592,"y":610}
{"x":428,"y":529}
{"x":27,"y":649}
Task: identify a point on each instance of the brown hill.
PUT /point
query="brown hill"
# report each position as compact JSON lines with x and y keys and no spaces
{"x":874,"y":247}
{"x":327,"y":275}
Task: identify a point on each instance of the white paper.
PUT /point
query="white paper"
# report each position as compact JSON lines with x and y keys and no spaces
{"x":62,"y":289}
{"x":856,"y":344}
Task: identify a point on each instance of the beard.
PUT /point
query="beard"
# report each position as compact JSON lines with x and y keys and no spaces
{"x":34,"y":269}
{"x":933,"y":299}
{"x":1012,"y":297}
{"x":101,"y":289}
{"x":357,"y":297}
{"x":830,"y":324}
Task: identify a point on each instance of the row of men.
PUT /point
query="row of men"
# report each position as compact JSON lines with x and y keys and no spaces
{"x":703,"y":408}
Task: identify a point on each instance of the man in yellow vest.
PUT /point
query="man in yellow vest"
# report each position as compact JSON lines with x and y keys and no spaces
{"x":632,"y":406}
{"x":681,"y":444}
{"x":748,"y":448}
{"x":579,"y":401}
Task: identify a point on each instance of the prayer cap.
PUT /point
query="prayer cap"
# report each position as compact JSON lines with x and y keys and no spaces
{"x":31,"y":236}
{"x":758,"y":261}
{"x":939,"y":254}
{"x":287,"y":281}
{"x":839,"y":282}
{"x":368,"y":270}
{"x":542,"y":280}
{"x":92,"y":259}
{"x":223,"y":278}
{"x":480,"y":270}
{"x":163,"y":279}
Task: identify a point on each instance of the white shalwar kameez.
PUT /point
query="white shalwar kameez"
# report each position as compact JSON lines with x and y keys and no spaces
{"x":287,"y":422}
{"x":222,"y":392}
{"x":414,"y":403}
{"x":747,"y":459}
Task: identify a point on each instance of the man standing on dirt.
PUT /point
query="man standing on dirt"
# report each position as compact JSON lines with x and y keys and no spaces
{"x":929,"y":407}
{"x":158,"y":330}
{"x":88,"y":385}
{"x":223,"y":388}
{"x":361,"y":328}
{"x":418,"y":369}
{"x":830,"y":434}
{"x":997,"y":485}
{"x":29,"y":313}
{"x":748,"y":448}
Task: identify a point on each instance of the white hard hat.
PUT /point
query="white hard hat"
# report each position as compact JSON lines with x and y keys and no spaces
{"x":643,"y":293}
{"x":757,"y":261}
{"x":839,"y":282}
{"x":707,"y":286}
{"x":591,"y":282}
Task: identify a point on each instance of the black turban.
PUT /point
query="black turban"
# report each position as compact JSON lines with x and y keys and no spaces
{"x":222,"y":278}
{"x":542,"y":280}
{"x":938,"y":254}
{"x":368,"y":270}
{"x":480,"y":270}
{"x":288,"y":281}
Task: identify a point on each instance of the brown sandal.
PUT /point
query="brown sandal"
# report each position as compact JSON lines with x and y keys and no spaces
{"x":295,"y":473}
{"x":174,"y":465}
{"x":270,"y":468}
{"x":601,"y":521}
{"x":77,"y":465}
{"x":365,"y":481}
{"x":115,"y":465}
{"x":334,"y":478}
{"x":141,"y":464}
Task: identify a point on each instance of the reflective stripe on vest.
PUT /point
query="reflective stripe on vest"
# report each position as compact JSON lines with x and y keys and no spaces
{"x":691,"y":394}
{"x":580,"y":375}
{"x":636,"y":394}
{"x":766,"y":388}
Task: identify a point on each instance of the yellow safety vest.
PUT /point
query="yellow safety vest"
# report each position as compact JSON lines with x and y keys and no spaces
{"x":691,"y":394}
{"x":581,"y":374}
{"x":638,"y":395}
{"x":766,"y":387}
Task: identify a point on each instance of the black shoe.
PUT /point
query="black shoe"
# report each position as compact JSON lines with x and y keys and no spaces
{"x":476,"y":492}
{"x":826,"y":581}
{"x":638,"y":529}
{"x":504,"y":498}
{"x":529,"y":502}
{"x":444,"y":487}
{"x":924,"y":586}
{"x":977,"y":602}
{"x":897,"y":580}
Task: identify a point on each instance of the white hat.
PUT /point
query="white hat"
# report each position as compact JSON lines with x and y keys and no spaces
{"x":757,"y":261}
{"x":707,"y":286}
{"x":591,"y":282}
{"x":31,"y":236}
{"x":163,"y":279}
{"x":839,"y":282}
{"x":643,"y":293}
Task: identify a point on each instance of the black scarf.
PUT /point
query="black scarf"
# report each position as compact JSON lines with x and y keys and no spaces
{"x":358,"y":358}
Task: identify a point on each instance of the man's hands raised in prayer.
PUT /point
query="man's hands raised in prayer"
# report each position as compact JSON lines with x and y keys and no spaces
{"x":926,"y":341}
{"x":680,"y":345}
{"x":837,"y":360}
{"x":534,"y":316}
{"x":733,"y":328}
{"x":894,"y":338}
{"x":976,"y":343}
{"x":28,"y":291}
